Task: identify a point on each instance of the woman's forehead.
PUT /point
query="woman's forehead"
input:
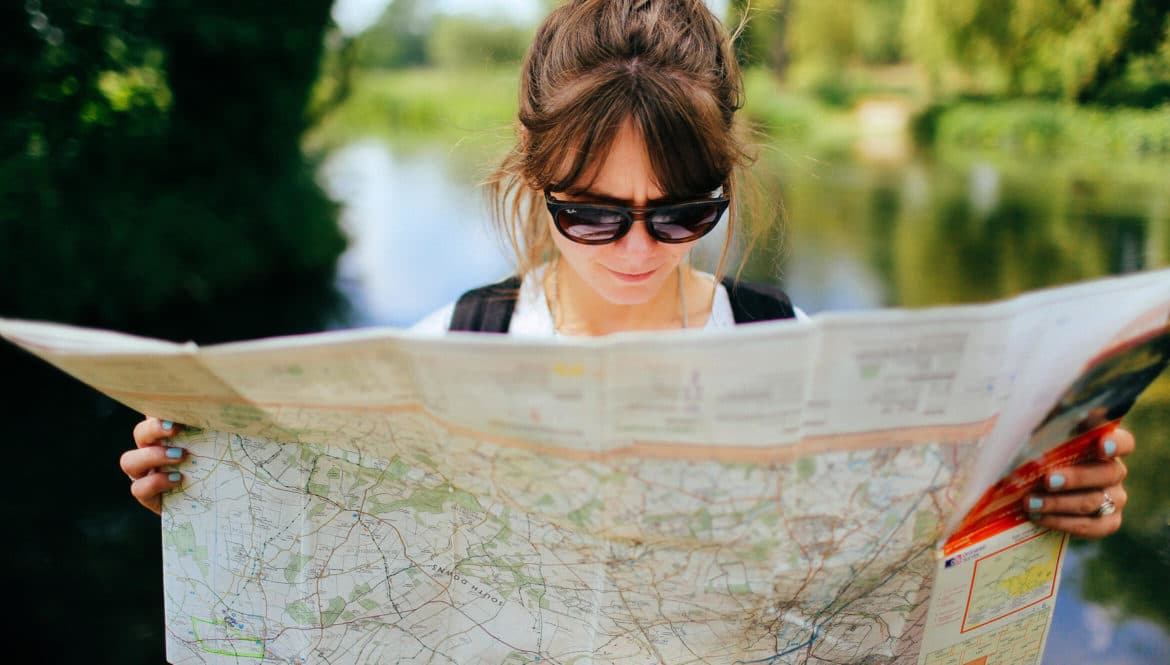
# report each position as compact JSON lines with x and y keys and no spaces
{"x":625,"y":174}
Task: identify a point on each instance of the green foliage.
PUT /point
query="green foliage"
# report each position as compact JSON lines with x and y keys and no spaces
{"x":791,"y":118}
{"x":818,"y":36}
{"x":823,"y":33}
{"x":801,"y":122}
{"x":411,"y":34}
{"x":1145,"y":80}
{"x":455,"y":104}
{"x":465,"y":41}
{"x":1070,"y":49}
{"x":1053,"y":129}
{"x":823,"y":41}
{"x":878,"y":24}
{"x":398,"y":38}
{"x":924,"y":123}
{"x":151,"y":154}
{"x":1088,"y":51}
{"x":780,"y":114}
{"x":762,"y":40}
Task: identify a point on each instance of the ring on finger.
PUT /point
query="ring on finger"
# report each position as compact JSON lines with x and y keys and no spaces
{"x":1107,"y":507}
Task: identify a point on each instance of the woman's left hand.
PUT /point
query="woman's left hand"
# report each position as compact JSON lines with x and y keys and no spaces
{"x":1076,"y":498}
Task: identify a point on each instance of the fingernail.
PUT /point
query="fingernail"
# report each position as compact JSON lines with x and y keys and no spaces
{"x":1035,"y":503}
{"x":1035,"y":517}
{"x":168,"y":425}
{"x":174,"y":453}
{"x":1110,"y":447}
{"x":174,"y":476}
{"x":1056,"y":481}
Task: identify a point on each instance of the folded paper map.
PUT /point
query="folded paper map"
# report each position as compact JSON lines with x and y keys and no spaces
{"x":839,"y":490}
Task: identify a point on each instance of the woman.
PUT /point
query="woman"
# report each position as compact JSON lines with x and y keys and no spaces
{"x":628,"y":151}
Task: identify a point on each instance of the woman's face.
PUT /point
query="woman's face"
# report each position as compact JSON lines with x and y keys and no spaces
{"x":632,"y":269}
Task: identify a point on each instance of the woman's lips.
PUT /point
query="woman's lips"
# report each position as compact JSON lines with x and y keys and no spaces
{"x":631,"y":277}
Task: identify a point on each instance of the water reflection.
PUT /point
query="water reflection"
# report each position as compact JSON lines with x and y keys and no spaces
{"x":1086,"y":632}
{"x":831,"y":279}
{"x":860,"y":236}
{"x":418,"y":234}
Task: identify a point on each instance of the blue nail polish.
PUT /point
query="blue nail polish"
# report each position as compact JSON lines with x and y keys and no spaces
{"x":168,"y":425}
{"x":1035,"y":517}
{"x":174,"y":476}
{"x":1110,"y":447}
{"x":1056,"y":481}
{"x":174,"y":453}
{"x":1035,"y":503}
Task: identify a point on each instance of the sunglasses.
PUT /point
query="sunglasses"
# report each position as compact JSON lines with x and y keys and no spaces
{"x":600,"y":223}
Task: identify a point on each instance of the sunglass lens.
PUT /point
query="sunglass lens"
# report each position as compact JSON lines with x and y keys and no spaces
{"x":684,"y":224}
{"x":590,"y":225}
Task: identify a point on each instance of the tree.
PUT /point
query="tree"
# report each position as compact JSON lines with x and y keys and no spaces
{"x":134,"y":128}
{"x":465,"y":41}
{"x":818,"y":39}
{"x":763,"y":38}
{"x":398,"y":38}
{"x":1072,"y":49}
{"x":1139,"y":71}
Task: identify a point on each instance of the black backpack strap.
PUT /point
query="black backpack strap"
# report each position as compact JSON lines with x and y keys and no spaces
{"x":489,"y":308}
{"x":757,"y":302}
{"x":486,"y":309}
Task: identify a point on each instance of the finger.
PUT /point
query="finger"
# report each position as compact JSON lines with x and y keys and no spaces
{"x":150,"y":488}
{"x":141,"y":461}
{"x":1082,"y":504}
{"x":1082,"y":527}
{"x":1090,"y":475}
{"x":151,"y":431}
{"x":1119,"y":443}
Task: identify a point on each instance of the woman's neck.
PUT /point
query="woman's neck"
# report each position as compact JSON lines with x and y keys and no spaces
{"x":579,"y":310}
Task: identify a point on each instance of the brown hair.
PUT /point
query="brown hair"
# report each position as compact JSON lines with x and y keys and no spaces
{"x":667,"y":66}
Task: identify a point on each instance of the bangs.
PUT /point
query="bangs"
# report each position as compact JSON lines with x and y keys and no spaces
{"x":682,"y":128}
{"x":685,"y":137}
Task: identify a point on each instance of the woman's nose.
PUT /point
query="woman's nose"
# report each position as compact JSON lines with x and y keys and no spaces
{"x":637,"y":241}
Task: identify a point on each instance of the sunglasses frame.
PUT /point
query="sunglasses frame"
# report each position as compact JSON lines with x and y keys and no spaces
{"x":631,"y":214}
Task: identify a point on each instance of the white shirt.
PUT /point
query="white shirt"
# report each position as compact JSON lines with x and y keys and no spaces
{"x":532,"y":318}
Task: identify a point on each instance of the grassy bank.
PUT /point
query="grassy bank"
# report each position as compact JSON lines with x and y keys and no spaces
{"x":1048,"y":129}
{"x":446,"y":105}
{"x":796,"y":118}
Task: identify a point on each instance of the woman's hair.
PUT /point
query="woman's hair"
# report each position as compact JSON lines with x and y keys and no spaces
{"x":667,"y":66}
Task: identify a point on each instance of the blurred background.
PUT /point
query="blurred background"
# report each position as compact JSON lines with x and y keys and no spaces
{"x":229,"y":170}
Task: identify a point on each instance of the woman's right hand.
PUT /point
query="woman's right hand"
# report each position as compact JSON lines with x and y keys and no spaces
{"x":145,"y":463}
